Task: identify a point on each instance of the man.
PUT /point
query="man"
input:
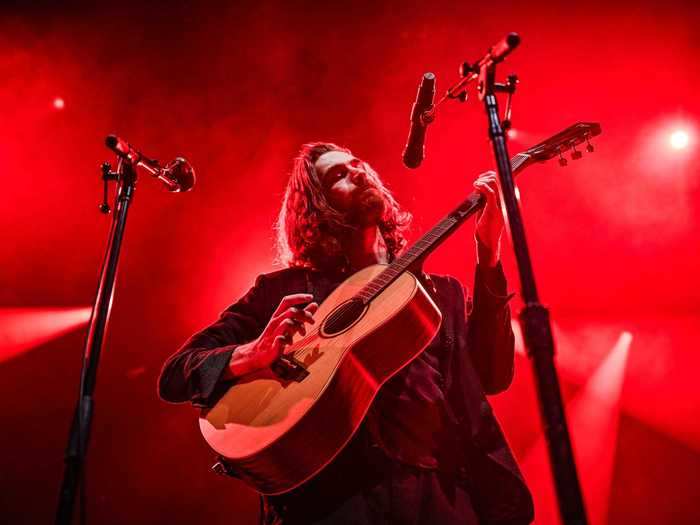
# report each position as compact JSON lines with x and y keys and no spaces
{"x":430,"y":449}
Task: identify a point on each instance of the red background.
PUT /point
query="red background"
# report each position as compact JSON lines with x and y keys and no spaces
{"x":236,"y":89}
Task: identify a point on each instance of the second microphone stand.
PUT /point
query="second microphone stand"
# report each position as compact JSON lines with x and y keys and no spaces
{"x":534,"y":318}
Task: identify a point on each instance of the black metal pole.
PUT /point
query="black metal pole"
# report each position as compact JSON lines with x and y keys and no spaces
{"x":82,"y":418}
{"x":537,"y":332}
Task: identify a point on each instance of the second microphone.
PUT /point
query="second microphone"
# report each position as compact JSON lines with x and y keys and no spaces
{"x":414,"y":152}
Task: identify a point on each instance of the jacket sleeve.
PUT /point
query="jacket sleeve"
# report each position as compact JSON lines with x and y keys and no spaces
{"x":194,"y":372}
{"x":490,"y":336}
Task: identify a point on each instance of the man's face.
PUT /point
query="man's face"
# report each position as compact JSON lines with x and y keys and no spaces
{"x":349,"y":188}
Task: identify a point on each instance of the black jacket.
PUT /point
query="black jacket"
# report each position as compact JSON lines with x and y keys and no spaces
{"x":476,"y":335}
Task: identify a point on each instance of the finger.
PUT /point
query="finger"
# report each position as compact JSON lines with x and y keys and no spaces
{"x":310,"y":313}
{"x":304,"y":315}
{"x":487,"y":175}
{"x":493,"y":201}
{"x":289,"y":327}
{"x":491,"y":192}
{"x":285,"y":327}
{"x":298,"y":325}
{"x":280,"y":342}
{"x":312,"y":308}
{"x":491,"y":179}
{"x":292,"y":300}
{"x":490,"y":184}
{"x":484,"y":189}
{"x":297,"y":314}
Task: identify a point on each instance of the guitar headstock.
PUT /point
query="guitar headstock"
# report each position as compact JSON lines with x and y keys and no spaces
{"x":565,"y":140}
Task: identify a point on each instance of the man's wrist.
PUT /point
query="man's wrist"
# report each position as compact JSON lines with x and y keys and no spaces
{"x":242,"y":361}
{"x":486,"y":256}
{"x":491,"y":284}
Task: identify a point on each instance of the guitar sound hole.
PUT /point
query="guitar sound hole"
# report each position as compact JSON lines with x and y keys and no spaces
{"x":343,"y":317}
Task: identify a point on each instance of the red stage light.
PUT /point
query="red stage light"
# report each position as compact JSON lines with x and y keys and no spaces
{"x":593,"y":419}
{"x":59,"y":103}
{"x":22,"y":329}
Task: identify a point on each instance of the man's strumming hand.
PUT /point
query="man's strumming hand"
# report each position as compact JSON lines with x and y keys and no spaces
{"x":287,"y":320}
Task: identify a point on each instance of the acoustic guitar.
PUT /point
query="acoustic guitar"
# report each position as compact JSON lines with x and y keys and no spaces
{"x":280,"y":426}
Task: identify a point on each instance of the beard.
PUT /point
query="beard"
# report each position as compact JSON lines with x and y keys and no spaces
{"x":368,"y":208}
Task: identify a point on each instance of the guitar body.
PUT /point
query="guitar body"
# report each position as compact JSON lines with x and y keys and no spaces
{"x":277,"y":433}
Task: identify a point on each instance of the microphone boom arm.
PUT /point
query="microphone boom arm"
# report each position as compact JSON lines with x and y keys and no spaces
{"x":178,"y":175}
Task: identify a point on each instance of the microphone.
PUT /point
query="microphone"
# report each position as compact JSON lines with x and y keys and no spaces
{"x":414,"y":152}
{"x":501,"y":49}
{"x":178,"y":175}
{"x":494,"y":55}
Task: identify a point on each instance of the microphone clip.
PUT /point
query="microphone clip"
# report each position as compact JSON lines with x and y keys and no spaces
{"x":107,"y":176}
{"x":428,"y":116}
{"x":124,"y":176}
{"x":509,"y":88}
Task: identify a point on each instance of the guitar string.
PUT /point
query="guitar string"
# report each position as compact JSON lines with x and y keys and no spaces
{"x":304,"y":341}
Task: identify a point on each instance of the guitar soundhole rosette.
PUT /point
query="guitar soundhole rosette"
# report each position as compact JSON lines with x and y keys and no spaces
{"x":343,"y":317}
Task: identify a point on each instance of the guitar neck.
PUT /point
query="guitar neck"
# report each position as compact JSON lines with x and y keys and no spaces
{"x":433,"y":238}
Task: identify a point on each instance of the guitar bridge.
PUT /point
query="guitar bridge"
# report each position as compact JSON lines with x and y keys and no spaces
{"x":289,"y":369}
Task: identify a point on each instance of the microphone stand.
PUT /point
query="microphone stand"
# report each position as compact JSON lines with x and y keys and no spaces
{"x":534,"y":318}
{"x":79,"y":435}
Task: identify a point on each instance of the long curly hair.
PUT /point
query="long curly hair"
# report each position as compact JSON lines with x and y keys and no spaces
{"x":309,"y":229}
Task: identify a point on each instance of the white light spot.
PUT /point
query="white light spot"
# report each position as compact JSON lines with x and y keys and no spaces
{"x":59,"y":103}
{"x":679,"y":139}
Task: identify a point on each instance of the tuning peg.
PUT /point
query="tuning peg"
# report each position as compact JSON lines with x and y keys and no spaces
{"x":589,"y":146}
{"x":575,"y":154}
{"x":562,"y":161}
